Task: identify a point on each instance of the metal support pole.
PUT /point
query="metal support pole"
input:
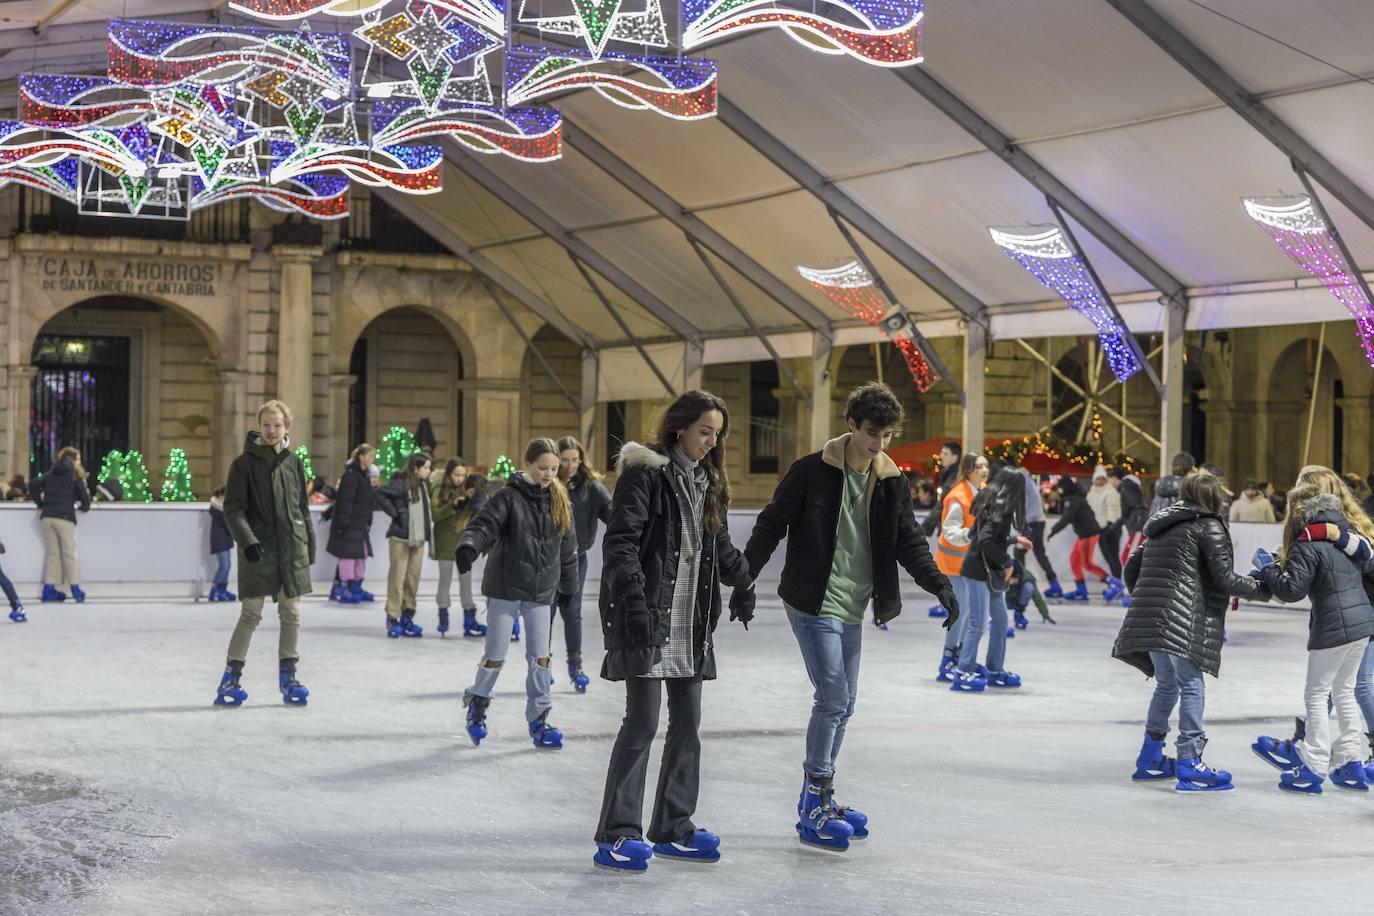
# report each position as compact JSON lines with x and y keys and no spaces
{"x":1106,"y":296}
{"x":1312,"y":406}
{"x":926,"y":347}
{"x":538,"y":354}
{"x":620,"y":322}
{"x":783,"y":367}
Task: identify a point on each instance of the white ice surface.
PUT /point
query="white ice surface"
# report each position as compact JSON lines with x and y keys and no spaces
{"x":123,"y":791}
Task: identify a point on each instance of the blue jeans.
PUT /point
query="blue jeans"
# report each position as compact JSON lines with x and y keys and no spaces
{"x":1024,"y":595}
{"x":222,"y":559}
{"x":984,"y":602}
{"x":1364,"y":687}
{"x":572,"y":615}
{"x":954,"y":636}
{"x":501,"y":616}
{"x":1178,"y":682}
{"x":830,"y":650}
{"x":8,"y":586}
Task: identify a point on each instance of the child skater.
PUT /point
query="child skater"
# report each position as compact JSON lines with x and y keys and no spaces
{"x":846,"y":513}
{"x":221,"y":548}
{"x":591,"y":504}
{"x":451,"y":504}
{"x":1327,"y":560}
{"x":666,"y":552}
{"x":405,"y":498}
{"x":1000,"y":510}
{"x":1074,"y":510}
{"x":350,"y":525}
{"x":267,"y":509}
{"x":1180,"y":581}
{"x":527,"y":529}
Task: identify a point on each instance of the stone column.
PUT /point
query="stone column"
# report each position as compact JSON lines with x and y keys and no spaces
{"x":1171,"y":411}
{"x":231,"y":419}
{"x":330,"y":463}
{"x":296,"y":338}
{"x":975,"y":385}
{"x":18,"y":403}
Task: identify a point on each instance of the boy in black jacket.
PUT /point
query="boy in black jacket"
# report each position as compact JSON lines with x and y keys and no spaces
{"x":846,"y":512}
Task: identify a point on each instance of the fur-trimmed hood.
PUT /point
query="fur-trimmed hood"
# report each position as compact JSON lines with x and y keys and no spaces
{"x":1324,"y":503}
{"x":833,"y":455}
{"x":635,"y":455}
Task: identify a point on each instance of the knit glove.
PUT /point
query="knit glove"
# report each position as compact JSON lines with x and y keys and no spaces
{"x":1262,"y":558}
{"x":742,"y":601}
{"x":253,"y":553}
{"x":639,"y":622}
{"x":464,"y":557}
{"x":951,"y":604}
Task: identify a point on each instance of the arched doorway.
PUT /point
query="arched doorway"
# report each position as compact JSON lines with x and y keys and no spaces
{"x":1294,"y":382}
{"x":407,"y":368}
{"x":124,"y":373}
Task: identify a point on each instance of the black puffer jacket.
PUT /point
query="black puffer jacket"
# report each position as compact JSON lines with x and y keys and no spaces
{"x":59,"y":491}
{"x":591,"y":504}
{"x":988,"y":555}
{"x":350,"y":525}
{"x":1320,"y":570}
{"x":1074,"y":510}
{"x":1180,"y":580}
{"x":1133,"y":512}
{"x":391,"y":499}
{"x":640,"y":555}
{"x":530,"y":559}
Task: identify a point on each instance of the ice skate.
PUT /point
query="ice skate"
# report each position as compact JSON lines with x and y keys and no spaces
{"x":938,"y":612}
{"x":1115,"y":589}
{"x":967,"y":682}
{"x":1152,"y":763}
{"x":50,"y":593}
{"x":1003,"y":679}
{"x":628,"y":854}
{"x":1194,"y":776}
{"x":1281,"y":753}
{"x":1054,"y":590}
{"x":545,"y":736}
{"x":701,"y":846}
{"x":1350,"y":776}
{"x":578,"y":678}
{"x":1080,"y":593}
{"x":477,"y":719}
{"x":1301,"y":781}
{"x":471,"y":628}
{"x":17,"y":614}
{"x":409,"y":628}
{"x":443,"y":622}
{"x":819,"y":824}
{"x":230,"y":693}
{"x":293,"y":692}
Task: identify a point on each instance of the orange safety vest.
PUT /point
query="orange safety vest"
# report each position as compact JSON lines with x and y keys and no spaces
{"x":950,"y":557}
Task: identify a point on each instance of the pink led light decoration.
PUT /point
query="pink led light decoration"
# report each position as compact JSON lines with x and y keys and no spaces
{"x":1296,"y":227}
{"x":851,"y":288}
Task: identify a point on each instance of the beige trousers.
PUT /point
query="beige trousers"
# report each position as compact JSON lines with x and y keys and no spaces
{"x":288,"y":611}
{"x":59,"y":539}
{"x":403,"y":579}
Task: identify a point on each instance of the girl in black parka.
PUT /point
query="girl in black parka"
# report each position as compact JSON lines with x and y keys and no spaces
{"x":1181,"y":581}
{"x":350,"y":525}
{"x":666,"y":552}
{"x":526,"y":528}
{"x":1327,"y":560}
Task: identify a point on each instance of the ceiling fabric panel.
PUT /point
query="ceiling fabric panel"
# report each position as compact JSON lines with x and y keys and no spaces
{"x":573,"y":190}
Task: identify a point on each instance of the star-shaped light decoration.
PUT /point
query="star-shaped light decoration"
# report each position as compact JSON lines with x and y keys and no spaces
{"x":429,"y":37}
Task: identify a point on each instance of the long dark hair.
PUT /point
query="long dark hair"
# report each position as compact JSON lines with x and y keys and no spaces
{"x":1003,"y":497}
{"x":686,"y":410}
{"x":413,"y":484}
{"x":448,"y":491}
{"x":585,"y":472}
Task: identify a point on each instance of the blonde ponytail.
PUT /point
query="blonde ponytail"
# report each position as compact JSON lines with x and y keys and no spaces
{"x":560,"y":506}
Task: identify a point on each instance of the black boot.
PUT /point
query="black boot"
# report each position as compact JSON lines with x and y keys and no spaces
{"x":443,"y":621}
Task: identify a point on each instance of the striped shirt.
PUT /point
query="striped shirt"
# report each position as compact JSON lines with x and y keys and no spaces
{"x":689,"y":483}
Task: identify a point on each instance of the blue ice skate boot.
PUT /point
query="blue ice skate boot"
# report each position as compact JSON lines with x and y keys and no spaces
{"x":515,"y":631}
{"x":819,"y":824}
{"x":855,"y":818}
{"x":409,"y":628}
{"x":394,"y":627}
{"x":443,"y":622}
{"x":213,"y":597}
{"x":471,"y":628}
{"x":78,"y":595}
{"x":1194,"y":776}
{"x":346,"y":595}
{"x":50,"y":593}
{"x":293,"y":692}
{"x":1054,"y":591}
{"x":17,"y":614}
{"x":938,"y":612}
{"x":1350,"y":776}
{"x":545,"y":736}
{"x":357,"y":595}
{"x":1011,"y":632}
{"x":1301,"y":781}
{"x":1281,"y":753}
{"x":1126,"y":602}
{"x":1018,"y":617}
{"x":967,"y":682}
{"x":1152,"y":763}
{"x":628,"y":854}
{"x":1115,"y":589}
{"x":1003,"y":679}
{"x":1080,"y":593}
{"x":230,"y":693}
{"x":225,"y":594}
{"x":477,"y":719}
{"x":577,"y":676}
{"x":337,"y":591}
{"x":948,"y":662}
{"x":700,"y":846}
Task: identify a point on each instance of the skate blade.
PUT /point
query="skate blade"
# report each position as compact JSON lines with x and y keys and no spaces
{"x":1187,"y":788}
{"x":621,"y":871}
{"x":1359,"y":788}
{"x":1303,"y":793}
{"x":1281,"y":767}
{"x":813,"y":844}
{"x":667,"y":857}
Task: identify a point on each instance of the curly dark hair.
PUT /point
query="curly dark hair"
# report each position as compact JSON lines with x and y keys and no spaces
{"x":875,"y":403}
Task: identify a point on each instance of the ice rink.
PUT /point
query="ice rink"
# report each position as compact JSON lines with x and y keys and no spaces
{"x":123,"y":791}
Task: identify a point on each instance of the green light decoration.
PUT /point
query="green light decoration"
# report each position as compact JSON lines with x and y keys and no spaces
{"x":303,"y":454}
{"x":127,"y":469}
{"x":397,"y":447}
{"x":176,"y":483}
{"x":502,"y":469}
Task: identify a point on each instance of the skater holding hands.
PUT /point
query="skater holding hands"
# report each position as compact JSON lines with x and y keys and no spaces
{"x":267,"y":509}
{"x":846,"y":513}
{"x":956,"y":534}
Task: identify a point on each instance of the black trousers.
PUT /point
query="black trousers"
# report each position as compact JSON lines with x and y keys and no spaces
{"x":1109,"y":543}
{"x":572,"y":616}
{"x":679,"y":774}
{"x":1036,"y":532}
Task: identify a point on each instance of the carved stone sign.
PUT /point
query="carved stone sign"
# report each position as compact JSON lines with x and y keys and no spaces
{"x":168,"y":277}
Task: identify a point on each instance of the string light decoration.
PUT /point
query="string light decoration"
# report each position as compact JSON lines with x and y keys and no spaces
{"x":1086,"y":455}
{"x":1046,"y":255}
{"x":176,"y":483}
{"x":851,"y":288}
{"x":502,"y":469}
{"x":886,"y":33}
{"x":396,"y":448}
{"x":1296,"y":227}
{"x":303,"y":455}
{"x":128,"y":470}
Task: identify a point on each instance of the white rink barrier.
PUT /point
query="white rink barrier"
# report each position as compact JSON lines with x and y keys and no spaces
{"x":170,"y":543}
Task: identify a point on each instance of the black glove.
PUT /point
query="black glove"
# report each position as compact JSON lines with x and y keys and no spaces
{"x":639,"y":622}
{"x":742,"y":601}
{"x":253,"y":553}
{"x":951,"y":604}
{"x":464,"y":557}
